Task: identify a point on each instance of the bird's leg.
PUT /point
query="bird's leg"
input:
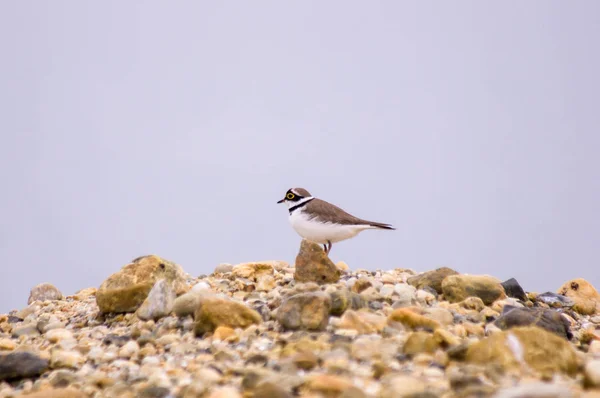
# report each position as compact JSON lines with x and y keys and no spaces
{"x":329,"y":248}
{"x":325,"y":247}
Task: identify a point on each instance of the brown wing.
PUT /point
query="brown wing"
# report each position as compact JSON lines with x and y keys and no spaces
{"x":326,"y":212}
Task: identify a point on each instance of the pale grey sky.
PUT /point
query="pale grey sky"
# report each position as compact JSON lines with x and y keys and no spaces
{"x":131,"y":128}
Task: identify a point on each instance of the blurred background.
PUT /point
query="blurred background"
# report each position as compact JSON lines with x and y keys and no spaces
{"x":130,"y":128}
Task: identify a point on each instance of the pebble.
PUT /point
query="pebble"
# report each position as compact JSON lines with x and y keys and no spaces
{"x":594,"y":347}
{"x":44,"y":292}
{"x":20,"y":365}
{"x":592,"y":373}
{"x":68,"y":392}
{"x":432,"y":279}
{"x":265,"y":283}
{"x":305,"y":360}
{"x":537,"y":390}
{"x":129,"y":349}
{"x":457,"y":288}
{"x":159,"y":302}
{"x":187,"y":303}
{"x":342,"y":266}
{"x":66,"y":359}
{"x":403,"y":386}
{"x":52,"y":325}
{"x":406,"y":295}
{"x":215,"y":312}
{"x":386,"y":291}
{"x":200,"y":287}
{"x":225,"y":392}
{"x":305,"y":311}
{"x":412,"y":320}
{"x":548,"y":319}
{"x":555,"y":300}
{"x":56,"y":335}
{"x":223,"y":268}
{"x":26,"y":330}
{"x":425,"y":298}
{"x":7,"y":344}
{"x":362,"y":322}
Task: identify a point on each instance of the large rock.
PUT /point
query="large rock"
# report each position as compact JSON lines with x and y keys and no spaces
{"x":126,"y":290}
{"x":313,"y":265}
{"x":214,"y":312}
{"x":305,"y":311}
{"x":456,"y":288}
{"x":585,"y":296}
{"x":21,"y":365}
{"x":532,"y":346}
{"x":513,"y":289}
{"x":433,"y":279}
{"x":545,"y":318}
{"x":159,"y":302}
{"x":43,"y":292}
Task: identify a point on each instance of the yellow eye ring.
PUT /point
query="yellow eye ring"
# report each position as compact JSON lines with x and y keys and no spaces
{"x":290,"y":196}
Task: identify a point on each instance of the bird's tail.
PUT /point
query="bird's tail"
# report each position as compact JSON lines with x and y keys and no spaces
{"x":381,"y":225}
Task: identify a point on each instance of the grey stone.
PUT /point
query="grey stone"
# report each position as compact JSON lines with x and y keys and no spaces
{"x":21,"y":365}
{"x":545,"y":318}
{"x":43,"y":292}
{"x":513,"y":289}
{"x":223,"y":268}
{"x":159,"y":302}
{"x":305,"y":311}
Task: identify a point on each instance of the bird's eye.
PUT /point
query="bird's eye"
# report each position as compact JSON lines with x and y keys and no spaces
{"x":290,"y":196}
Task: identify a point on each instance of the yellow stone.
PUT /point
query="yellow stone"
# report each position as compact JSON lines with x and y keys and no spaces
{"x":7,"y":345}
{"x":225,"y":333}
{"x":412,"y":320}
{"x":585,"y":295}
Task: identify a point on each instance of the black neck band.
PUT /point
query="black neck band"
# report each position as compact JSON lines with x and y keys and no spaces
{"x":299,"y":205}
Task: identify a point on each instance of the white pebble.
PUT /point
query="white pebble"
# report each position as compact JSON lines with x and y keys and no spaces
{"x":129,"y":349}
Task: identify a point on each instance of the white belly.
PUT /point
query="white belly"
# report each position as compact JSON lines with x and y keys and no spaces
{"x":320,"y":232}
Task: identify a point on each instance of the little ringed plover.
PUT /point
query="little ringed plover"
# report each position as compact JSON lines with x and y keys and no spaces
{"x":321,"y":222}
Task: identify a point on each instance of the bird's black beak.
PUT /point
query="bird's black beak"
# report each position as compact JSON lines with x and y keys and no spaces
{"x":281,"y":201}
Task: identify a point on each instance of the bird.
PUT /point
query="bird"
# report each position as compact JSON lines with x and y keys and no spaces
{"x":321,"y":222}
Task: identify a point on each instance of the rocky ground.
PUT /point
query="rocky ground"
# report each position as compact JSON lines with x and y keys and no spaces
{"x":269,"y":329}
